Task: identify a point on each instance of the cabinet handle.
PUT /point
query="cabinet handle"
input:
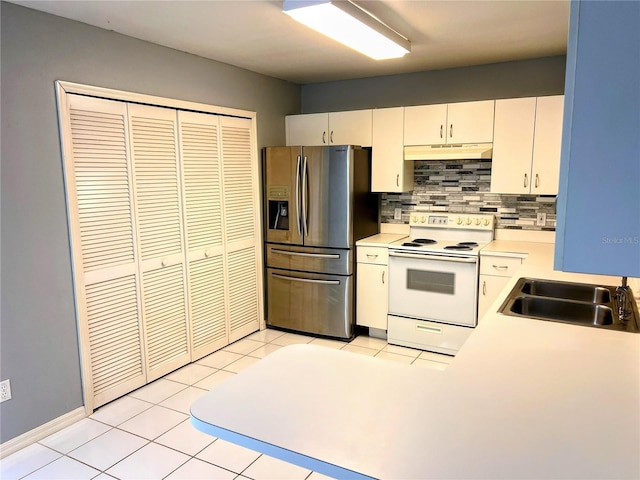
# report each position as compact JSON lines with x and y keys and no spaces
{"x":484,"y":288}
{"x":451,"y":131}
{"x":537,"y":184}
{"x":383,"y":277}
{"x":331,"y":137}
{"x":324,"y":137}
{"x":500,"y":267}
{"x":164,"y":262}
{"x":371,"y":255}
{"x":441,"y":130}
{"x":526,"y":181}
{"x":397,"y":180}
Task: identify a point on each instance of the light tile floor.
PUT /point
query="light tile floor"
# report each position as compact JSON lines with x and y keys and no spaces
{"x":147,"y":433}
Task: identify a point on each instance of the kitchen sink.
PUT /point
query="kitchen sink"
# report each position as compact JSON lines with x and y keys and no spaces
{"x":563,"y":311}
{"x":569,"y":302}
{"x":570,"y":291}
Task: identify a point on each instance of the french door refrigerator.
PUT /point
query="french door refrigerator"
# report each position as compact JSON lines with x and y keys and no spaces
{"x":317,"y":204}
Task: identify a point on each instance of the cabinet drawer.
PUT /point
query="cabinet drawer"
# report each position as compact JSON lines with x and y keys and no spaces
{"x":378,"y":255}
{"x":498,"y":265}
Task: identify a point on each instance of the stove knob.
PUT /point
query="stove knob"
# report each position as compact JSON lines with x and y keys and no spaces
{"x":414,"y":219}
{"x":459,"y":221}
{"x":486,"y":221}
{"x":423,"y":219}
{"x":468,"y":222}
{"x":477,"y":221}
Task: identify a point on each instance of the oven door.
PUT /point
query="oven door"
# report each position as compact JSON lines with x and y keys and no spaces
{"x":433,"y":287}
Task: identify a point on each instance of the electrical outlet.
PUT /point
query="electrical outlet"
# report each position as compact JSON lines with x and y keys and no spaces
{"x":397,"y":214}
{"x":5,"y":390}
{"x":541,"y":219}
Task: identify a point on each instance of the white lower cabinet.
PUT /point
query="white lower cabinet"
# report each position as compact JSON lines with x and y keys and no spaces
{"x":372,"y":298}
{"x":495,"y":272}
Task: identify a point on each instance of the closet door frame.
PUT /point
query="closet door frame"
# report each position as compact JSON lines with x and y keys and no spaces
{"x":62,"y":89}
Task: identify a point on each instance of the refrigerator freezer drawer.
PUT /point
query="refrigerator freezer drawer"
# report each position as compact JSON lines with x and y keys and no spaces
{"x":309,"y":259}
{"x":310,"y":303}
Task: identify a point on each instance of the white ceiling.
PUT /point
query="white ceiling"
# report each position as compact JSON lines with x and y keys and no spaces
{"x":256,"y":35}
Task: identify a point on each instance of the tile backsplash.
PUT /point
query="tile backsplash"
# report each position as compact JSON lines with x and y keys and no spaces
{"x":464,"y":186}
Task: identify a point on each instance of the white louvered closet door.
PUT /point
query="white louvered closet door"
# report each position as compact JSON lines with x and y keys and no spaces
{"x":100,"y":205}
{"x":241,"y":205}
{"x":154,"y":152}
{"x":202,"y":191}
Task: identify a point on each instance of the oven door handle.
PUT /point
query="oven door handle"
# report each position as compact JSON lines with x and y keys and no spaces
{"x":434,"y":257}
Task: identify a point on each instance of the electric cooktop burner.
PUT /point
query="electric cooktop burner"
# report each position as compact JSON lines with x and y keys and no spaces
{"x":458,"y":247}
{"x":468,"y":244}
{"x":424,"y":241}
{"x":411,"y":244}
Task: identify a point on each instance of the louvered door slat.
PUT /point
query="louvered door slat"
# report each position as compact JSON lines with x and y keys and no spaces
{"x":164,"y":320}
{"x":208,"y":317}
{"x":243,"y":298}
{"x":106,"y":312}
{"x":155,"y":161}
{"x":238,"y":182}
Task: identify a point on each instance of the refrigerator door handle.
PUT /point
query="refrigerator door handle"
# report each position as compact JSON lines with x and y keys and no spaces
{"x":306,"y":280}
{"x":305,"y":194}
{"x":298,"y":220}
{"x":302,"y":254}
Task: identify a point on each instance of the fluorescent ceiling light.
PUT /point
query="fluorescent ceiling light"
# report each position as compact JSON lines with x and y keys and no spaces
{"x":350,"y":25}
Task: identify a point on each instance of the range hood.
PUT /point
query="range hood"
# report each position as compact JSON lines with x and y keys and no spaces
{"x":449,"y":152}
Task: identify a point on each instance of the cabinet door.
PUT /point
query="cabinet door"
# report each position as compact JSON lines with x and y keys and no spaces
{"x":425,"y":125}
{"x":241,"y":227}
{"x":154,"y":152}
{"x":547,"y":139}
{"x":350,"y":128}
{"x":599,"y":199}
{"x":202,"y":190}
{"x":307,"y":130}
{"x":513,"y":145}
{"x":389,"y":171}
{"x":490,"y":287}
{"x":371,"y":295}
{"x":470,"y":122}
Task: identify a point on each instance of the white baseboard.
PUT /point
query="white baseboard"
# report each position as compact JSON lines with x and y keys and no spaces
{"x":32,"y":436}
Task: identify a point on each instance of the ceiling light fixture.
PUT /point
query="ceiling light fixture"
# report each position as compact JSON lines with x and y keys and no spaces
{"x":350,"y":25}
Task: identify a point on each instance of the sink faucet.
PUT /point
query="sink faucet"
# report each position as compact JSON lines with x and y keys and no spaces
{"x":623,"y":292}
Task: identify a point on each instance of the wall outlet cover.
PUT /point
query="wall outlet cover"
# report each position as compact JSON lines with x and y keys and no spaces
{"x":397,"y":214}
{"x":5,"y":390}
{"x":541,"y":219}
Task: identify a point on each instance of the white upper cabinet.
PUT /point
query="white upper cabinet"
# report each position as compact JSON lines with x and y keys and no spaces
{"x":466,"y":122}
{"x":547,"y":140}
{"x":389,"y":171}
{"x":334,"y":128}
{"x":425,"y":125}
{"x":526,"y":145}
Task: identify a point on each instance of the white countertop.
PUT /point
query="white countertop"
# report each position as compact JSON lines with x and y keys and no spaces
{"x":380,"y":240}
{"x":522,"y":399}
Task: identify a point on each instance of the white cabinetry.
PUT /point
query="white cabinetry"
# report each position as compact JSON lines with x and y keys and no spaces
{"x":334,"y":128}
{"x":465,"y":122}
{"x":495,"y":272}
{"x":372,"y":298}
{"x":389,"y":171}
{"x":526,"y":145}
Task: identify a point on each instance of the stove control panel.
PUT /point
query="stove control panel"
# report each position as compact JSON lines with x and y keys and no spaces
{"x":452,"y":220}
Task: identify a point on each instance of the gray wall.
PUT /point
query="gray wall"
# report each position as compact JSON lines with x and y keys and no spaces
{"x":525,"y":78}
{"x":39,"y":348}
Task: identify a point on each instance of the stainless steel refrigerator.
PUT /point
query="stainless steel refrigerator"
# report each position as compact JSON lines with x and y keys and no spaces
{"x":317,"y":204}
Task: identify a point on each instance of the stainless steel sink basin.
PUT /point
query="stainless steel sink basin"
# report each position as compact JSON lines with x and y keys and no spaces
{"x":568,"y":302}
{"x":570,"y":291}
{"x":582,"y":313}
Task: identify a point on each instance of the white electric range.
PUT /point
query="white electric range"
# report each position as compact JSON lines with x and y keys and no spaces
{"x":433,"y":280}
